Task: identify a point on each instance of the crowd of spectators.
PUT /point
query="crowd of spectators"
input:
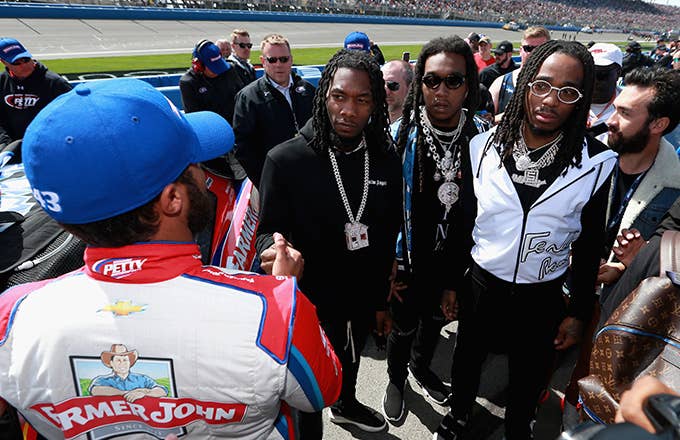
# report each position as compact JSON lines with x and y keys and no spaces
{"x":608,"y":14}
{"x":626,"y":15}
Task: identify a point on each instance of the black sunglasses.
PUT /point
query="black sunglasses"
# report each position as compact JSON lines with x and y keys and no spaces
{"x":273,"y":60}
{"x":392,"y":85}
{"x":244,"y":45}
{"x":528,"y":48}
{"x":452,"y":81}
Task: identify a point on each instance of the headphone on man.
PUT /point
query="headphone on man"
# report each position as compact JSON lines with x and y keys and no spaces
{"x":196,"y":64}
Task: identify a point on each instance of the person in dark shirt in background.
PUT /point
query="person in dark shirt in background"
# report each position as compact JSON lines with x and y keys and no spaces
{"x":211,"y":84}
{"x":504,"y":64}
{"x":26,"y":87}
{"x":271,"y":109}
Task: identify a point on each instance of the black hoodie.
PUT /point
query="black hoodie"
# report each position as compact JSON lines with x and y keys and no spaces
{"x":23,"y":99}
{"x":300,"y":199}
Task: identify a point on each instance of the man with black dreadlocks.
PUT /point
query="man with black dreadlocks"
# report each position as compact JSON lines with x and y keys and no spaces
{"x":434,"y":143}
{"x":540,"y":196}
{"x":334,"y":192}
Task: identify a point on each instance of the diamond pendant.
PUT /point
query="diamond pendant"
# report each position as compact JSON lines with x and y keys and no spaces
{"x":448,"y":194}
{"x":523,"y":162}
{"x":447,"y":162}
{"x":356,"y":236}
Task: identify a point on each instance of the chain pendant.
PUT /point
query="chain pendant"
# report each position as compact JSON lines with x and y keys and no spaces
{"x":356,"y":236}
{"x":448,"y":194}
{"x":523,"y":162}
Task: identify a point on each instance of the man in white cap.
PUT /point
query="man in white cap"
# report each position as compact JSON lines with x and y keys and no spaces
{"x":608,"y":59}
{"x":26,"y":87}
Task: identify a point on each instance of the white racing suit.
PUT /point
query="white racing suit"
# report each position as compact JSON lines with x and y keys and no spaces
{"x":145,"y":340}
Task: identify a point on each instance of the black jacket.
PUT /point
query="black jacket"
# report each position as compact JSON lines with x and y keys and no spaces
{"x":244,"y":69}
{"x":633,"y":60}
{"x":301,"y":200}
{"x":263,"y":119}
{"x":490,"y":73}
{"x":22,"y":99}
{"x":200,"y":93}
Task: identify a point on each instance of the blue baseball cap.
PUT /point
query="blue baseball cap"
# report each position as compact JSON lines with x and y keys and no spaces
{"x":211,"y":57}
{"x":357,"y":41}
{"x":108,"y":147}
{"x":11,"y":50}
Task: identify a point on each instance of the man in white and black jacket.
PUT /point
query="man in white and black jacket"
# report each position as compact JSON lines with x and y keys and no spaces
{"x":26,"y":87}
{"x":341,"y":171}
{"x":540,"y":196}
{"x":272,"y":109}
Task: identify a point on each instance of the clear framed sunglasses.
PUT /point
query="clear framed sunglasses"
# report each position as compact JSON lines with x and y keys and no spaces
{"x":566,"y":95}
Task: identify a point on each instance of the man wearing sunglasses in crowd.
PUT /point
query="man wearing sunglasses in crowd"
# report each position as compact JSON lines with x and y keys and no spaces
{"x":240,"y":55}
{"x":503,"y":87}
{"x":272,"y":109}
{"x":398,"y":76}
{"x":433,"y":141}
{"x":540,"y":188}
{"x":26,"y":87}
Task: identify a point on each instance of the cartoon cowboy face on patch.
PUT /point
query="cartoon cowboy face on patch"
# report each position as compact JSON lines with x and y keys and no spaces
{"x":122,"y":381}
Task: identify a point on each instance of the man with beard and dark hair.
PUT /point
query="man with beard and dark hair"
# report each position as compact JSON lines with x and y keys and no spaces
{"x":434,"y":145}
{"x":504,"y":64}
{"x":646,"y":181}
{"x":537,"y":206}
{"x":114,"y":162}
{"x":335,"y":193}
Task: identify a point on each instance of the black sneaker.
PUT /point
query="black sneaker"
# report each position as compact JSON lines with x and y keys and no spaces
{"x":393,"y":403}
{"x":359,"y":415}
{"x":450,"y":429}
{"x":432,"y":386}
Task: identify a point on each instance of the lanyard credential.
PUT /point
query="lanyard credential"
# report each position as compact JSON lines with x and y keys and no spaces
{"x":626,"y":199}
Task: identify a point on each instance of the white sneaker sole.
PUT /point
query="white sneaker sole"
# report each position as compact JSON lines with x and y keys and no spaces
{"x":390,"y":419}
{"x":445,"y":402}
{"x":340,"y":420}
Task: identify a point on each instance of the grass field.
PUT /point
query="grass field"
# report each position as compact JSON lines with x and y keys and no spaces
{"x":181,"y":61}
{"x":178,"y":62}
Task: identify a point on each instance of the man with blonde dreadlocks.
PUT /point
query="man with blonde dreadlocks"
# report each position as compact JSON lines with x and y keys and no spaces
{"x":540,"y":196}
{"x":334,"y":192}
{"x":433,"y":140}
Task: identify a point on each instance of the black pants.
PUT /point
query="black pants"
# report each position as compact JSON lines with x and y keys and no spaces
{"x":348,"y":337}
{"x":416,"y":323}
{"x":522,"y":318}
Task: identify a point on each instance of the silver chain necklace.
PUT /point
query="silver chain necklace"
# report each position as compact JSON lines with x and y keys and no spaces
{"x":530,"y":168}
{"x":356,"y":233}
{"x":447,"y":167}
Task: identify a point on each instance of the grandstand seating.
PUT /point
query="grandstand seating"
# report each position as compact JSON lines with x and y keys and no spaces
{"x":627,"y":15}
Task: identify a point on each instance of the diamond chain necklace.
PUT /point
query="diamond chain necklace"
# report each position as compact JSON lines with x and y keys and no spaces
{"x":521,"y":153}
{"x":446,"y":166}
{"x":341,"y":187}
